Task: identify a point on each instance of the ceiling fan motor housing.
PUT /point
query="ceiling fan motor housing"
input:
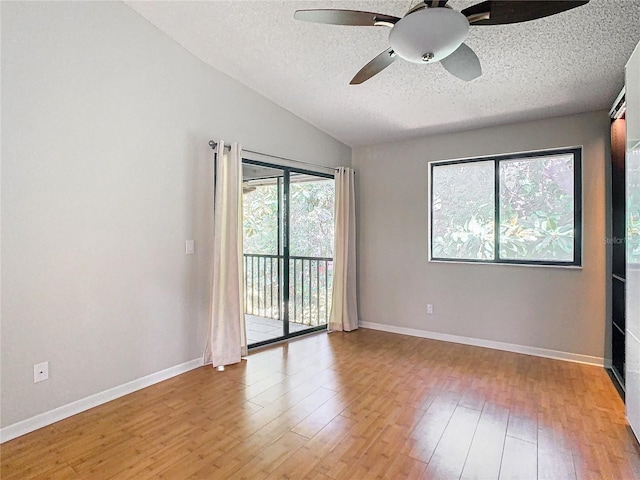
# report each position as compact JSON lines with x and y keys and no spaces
{"x":428,"y":35}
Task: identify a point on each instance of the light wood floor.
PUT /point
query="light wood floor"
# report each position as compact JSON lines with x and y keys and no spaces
{"x":364,"y":405}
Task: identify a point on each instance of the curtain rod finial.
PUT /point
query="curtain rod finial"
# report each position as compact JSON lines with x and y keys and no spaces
{"x":212,"y":144}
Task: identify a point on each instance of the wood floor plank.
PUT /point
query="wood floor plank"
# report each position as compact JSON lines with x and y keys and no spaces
{"x":555,"y":465}
{"x":524,"y":428}
{"x":208,"y":457}
{"x":424,"y":439}
{"x":322,"y":446}
{"x":266,"y":459}
{"x":450,"y":454}
{"x":485,"y":454}
{"x":323,"y":415}
{"x":364,"y":404}
{"x":383,"y":458}
{"x":352,"y":447}
{"x":519,"y":460}
{"x":57,"y":470}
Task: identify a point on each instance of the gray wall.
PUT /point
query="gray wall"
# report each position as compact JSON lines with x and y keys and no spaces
{"x":549,"y":308}
{"x":105,"y":172}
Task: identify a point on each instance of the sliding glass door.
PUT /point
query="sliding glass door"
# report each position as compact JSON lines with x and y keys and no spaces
{"x":262,"y":199}
{"x":288,"y":251}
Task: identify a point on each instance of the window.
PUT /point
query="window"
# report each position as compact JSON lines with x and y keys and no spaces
{"x":529,"y":205}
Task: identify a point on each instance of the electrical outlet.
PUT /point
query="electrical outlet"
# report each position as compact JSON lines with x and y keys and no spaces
{"x":189,"y":247}
{"x":40,"y":372}
{"x":429,"y":309}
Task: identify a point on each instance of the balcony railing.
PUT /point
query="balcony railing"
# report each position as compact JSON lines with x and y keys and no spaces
{"x":310,"y":281}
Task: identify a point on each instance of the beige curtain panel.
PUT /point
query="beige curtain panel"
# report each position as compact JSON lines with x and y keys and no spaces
{"x":344,"y":308}
{"x":227,"y":339}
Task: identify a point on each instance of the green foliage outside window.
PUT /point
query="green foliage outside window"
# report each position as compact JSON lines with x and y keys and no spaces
{"x":311,"y":232}
{"x":311,"y":217}
{"x":536,"y":208}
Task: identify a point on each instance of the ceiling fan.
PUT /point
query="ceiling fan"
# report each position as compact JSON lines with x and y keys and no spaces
{"x":432,"y":31}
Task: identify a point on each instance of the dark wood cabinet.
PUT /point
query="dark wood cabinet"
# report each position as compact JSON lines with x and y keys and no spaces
{"x":617,"y":240}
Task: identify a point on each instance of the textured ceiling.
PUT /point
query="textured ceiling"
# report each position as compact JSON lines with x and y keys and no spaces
{"x":568,"y":63}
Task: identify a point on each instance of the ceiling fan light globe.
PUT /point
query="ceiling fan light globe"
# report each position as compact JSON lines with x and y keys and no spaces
{"x":436,"y":31}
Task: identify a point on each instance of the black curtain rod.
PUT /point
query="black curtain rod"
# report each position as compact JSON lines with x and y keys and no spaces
{"x":213,"y":144}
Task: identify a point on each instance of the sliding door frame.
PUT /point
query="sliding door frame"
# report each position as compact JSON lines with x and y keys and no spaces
{"x":283,"y":234}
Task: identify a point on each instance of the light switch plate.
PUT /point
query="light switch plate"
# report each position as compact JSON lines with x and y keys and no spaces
{"x":189,"y":247}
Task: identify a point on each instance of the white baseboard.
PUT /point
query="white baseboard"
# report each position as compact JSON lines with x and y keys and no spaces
{"x":47,"y":418}
{"x":477,"y":342}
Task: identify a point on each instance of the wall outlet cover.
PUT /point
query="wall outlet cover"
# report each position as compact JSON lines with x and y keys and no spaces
{"x":40,"y":372}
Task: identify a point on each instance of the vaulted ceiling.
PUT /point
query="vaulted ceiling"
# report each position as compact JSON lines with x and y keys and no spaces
{"x":568,"y":63}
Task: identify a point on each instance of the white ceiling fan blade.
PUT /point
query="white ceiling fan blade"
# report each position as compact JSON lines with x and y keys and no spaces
{"x":463,"y":63}
{"x":374,"y":67}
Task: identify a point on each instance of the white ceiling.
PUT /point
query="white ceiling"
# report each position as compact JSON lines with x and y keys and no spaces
{"x":568,"y":63}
